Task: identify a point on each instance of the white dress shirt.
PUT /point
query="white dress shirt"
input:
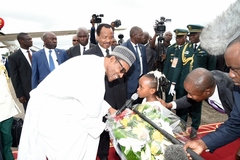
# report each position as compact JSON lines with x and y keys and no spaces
{"x":54,"y":56}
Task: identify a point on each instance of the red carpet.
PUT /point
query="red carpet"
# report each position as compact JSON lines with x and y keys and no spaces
{"x":226,"y":152}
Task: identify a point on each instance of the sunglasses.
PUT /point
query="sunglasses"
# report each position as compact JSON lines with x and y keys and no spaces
{"x":123,"y":70}
{"x":74,"y":40}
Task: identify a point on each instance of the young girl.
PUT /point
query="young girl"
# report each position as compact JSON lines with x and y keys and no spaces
{"x":150,"y":87}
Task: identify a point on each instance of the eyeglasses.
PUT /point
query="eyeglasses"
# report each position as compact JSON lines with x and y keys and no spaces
{"x":74,"y":40}
{"x":123,"y":70}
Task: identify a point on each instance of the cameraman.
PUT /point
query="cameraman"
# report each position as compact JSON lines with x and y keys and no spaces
{"x":161,"y":47}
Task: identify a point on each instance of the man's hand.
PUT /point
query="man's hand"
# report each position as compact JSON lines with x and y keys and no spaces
{"x":197,"y":146}
{"x":161,"y":101}
{"x":112,"y":110}
{"x":167,"y":105}
{"x":172,"y":90}
{"x":22,"y":99}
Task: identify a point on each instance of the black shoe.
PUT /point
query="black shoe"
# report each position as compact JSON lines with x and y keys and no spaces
{"x":193,"y":134}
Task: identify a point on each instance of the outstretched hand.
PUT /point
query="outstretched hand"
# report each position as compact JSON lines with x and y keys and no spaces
{"x":167,"y":105}
{"x":161,"y":101}
{"x":197,"y":146}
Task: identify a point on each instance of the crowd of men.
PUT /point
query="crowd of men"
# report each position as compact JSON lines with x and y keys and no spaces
{"x":28,"y":68}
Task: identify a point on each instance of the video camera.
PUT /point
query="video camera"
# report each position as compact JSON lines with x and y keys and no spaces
{"x":117,"y":23}
{"x":160,"y":27}
{"x":96,"y":18}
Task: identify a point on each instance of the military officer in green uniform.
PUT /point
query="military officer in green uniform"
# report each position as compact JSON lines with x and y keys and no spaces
{"x":192,"y":56}
{"x":172,"y":58}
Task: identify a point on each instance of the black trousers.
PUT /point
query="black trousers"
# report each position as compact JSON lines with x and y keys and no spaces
{"x":103,"y":147}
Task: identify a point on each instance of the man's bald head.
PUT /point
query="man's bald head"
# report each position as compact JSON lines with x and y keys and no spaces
{"x":200,"y":84}
{"x":201,"y":78}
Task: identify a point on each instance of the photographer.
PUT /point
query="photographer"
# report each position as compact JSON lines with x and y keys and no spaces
{"x":161,"y":48}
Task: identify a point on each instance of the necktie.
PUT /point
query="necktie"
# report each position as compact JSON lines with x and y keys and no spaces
{"x":84,"y":48}
{"x":215,"y":106}
{"x":195,"y":47}
{"x":136,"y":49}
{"x":107,"y":51}
{"x":51,"y":63}
{"x":140,"y":60}
{"x":29,"y":56}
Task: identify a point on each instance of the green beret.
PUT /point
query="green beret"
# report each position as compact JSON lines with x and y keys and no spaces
{"x":181,"y":32}
{"x":195,"y":28}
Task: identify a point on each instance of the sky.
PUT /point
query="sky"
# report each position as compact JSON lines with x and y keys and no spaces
{"x":51,"y":15}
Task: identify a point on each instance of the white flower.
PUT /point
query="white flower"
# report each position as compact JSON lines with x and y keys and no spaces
{"x":146,"y":155}
{"x":135,"y":144}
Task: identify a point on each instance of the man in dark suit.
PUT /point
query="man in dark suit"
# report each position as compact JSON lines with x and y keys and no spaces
{"x":46,"y":59}
{"x":191,"y":57}
{"x":150,"y":53}
{"x":215,"y":87}
{"x":139,"y":67}
{"x":21,"y":70}
{"x":84,"y":44}
{"x":230,"y":129}
{"x":115,"y":93}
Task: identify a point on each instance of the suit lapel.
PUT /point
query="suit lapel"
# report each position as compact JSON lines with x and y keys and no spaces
{"x":45,"y":60}
{"x":58,"y":56}
{"x":133,"y":50}
{"x":223,"y":95}
{"x":23,"y":58}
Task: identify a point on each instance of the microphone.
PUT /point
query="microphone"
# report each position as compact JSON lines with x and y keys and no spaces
{"x":174,"y":152}
{"x":217,"y":35}
{"x":128,"y":103}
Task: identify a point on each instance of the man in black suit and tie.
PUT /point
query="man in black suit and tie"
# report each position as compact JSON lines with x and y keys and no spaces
{"x":20,"y":68}
{"x":115,"y":93}
{"x":84,"y":44}
{"x":215,"y":87}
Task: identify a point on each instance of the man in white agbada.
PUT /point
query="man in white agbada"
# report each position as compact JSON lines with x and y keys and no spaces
{"x":63,"y":120}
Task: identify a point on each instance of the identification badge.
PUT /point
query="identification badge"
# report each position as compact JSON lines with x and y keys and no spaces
{"x":174,"y":63}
